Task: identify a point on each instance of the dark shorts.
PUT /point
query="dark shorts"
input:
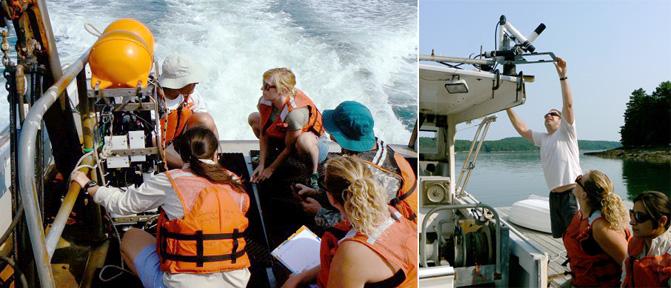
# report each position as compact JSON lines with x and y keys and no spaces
{"x":562,"y":208}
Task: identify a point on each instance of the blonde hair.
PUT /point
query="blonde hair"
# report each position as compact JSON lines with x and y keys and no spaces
{"x":601,"y":196}
{"x":283,"y":79}
{"x":351,"y":183}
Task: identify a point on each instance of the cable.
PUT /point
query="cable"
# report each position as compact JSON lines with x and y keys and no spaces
{"x":148,"y":125}
{"x":78,"y":164}
{"x":450,"y":65}
{"x":100,"y":274}
{"x":97,"y":157}
{"x":122,"y":268}
{"x":16,"y":220}
{"x":496,"y":30}
{"x":22,"y":278}
{"x":86,"y":166}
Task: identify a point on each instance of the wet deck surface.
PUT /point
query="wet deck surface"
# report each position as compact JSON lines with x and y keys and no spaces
{"x":553,"y":247}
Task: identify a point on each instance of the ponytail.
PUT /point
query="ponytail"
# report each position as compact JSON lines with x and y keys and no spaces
{"x":613,"y":211}
{"x":352,"y":185}
{"x":197,"y":147}
{"x":215,"y":173}
{"x":601,"y":196}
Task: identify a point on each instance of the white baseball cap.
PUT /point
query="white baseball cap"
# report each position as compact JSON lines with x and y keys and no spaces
{"x":178,"y":71}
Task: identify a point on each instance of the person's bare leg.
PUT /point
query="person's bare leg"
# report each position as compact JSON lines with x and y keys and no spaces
{"x":307,"y":144}
{"x":254,"y":121}
{"x":132,"y":243}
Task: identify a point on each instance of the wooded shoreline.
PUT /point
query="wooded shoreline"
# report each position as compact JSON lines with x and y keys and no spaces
{"x":660,"y":155}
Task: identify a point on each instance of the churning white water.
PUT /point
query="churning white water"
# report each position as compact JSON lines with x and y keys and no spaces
{"x":339,"y":50}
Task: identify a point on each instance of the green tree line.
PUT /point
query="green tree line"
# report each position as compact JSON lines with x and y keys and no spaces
{"x":647,"y":120}
{"x":515,"y":144}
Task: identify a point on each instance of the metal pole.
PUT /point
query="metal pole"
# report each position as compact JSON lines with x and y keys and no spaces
{"x":13,"y":146}
{"x":413,"y":136}
{"x":465,"y":166}
{"x":27,"y":169}
{"x":54,"y":61}
{"x":455,"y":60}
{"x":64,"y":211}
{"x":481,"y":140}
{"x":58,"y":225}
{"x":88,"y":120}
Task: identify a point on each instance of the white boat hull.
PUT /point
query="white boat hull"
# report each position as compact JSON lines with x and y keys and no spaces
{"x":532,"y":213}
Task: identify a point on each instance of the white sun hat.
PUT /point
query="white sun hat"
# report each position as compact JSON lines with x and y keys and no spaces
{"x":178,"y":71}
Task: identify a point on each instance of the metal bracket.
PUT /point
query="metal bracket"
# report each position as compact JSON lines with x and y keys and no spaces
{"x":134,"y":152}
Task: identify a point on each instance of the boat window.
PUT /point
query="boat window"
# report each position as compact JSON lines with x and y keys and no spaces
{"x":427,"y":142}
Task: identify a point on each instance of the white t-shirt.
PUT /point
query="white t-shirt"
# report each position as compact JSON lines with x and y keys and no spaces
{"x":195,"y":98}
{"x":560,"y":156}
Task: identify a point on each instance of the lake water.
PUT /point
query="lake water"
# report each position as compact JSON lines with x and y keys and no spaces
{"x":500,"y":179}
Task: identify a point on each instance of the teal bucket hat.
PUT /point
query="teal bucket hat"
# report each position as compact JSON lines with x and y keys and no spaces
{"x":351,"y":125}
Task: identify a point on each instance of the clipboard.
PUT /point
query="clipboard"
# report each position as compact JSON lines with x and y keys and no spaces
{"x":300,"y":251}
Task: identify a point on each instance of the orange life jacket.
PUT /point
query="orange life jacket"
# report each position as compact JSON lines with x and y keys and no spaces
{"x":397,"y":245}
{"x":209,"y":238}
{"x":277,"y":128}
{"x":590,"y":265}
{"x":406,"y":198}
{"x":646,"y":271}
{"x":6,"y":275}
{"x":174,"y":122}
{"x":328,"y":248}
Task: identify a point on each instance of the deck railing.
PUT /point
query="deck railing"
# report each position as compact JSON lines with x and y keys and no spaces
{"x":27,"y":185}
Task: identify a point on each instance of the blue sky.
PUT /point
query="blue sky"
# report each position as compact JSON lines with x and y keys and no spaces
{"x":611,"y":47}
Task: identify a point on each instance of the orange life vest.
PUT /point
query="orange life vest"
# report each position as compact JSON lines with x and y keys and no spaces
{"x":396,"y":245}
{"x":174,"y":122}
{"x":6,"y":275}
{"x":406,"y":198}
{"x":277,"y":128}
{"x":646,"y":271}
{"x":590,"y":265}
{"x":209,"y":238}
{"x":328,"y":248}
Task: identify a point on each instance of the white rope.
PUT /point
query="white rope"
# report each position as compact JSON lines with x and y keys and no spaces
{"x":92,"y":30}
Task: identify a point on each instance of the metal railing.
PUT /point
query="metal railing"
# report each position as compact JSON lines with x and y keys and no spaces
{"x":471,"y":157}
{"x":26,"y":167}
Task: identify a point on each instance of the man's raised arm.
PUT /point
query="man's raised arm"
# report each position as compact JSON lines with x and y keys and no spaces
{"x":567,"y":97}
{"x":519,"y":125}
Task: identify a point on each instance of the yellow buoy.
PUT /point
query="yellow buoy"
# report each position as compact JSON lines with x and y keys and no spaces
{"x":122,"y":57}
{"x":134,"y":26}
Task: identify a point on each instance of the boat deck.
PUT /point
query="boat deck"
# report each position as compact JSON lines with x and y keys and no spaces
{"x":554,"y":247}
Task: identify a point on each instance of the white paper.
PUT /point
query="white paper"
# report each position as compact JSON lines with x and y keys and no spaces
{"x":300,"y":252}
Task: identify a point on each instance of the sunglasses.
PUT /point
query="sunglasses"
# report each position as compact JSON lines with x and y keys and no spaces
{"x":579,"y":182}
{"x":267,"y":87}
{"x":552,"y":114}
{"x":640,"y":217}
{"x":186,"y":90}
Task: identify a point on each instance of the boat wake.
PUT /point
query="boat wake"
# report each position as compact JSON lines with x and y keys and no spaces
{"x":339,"y":51}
